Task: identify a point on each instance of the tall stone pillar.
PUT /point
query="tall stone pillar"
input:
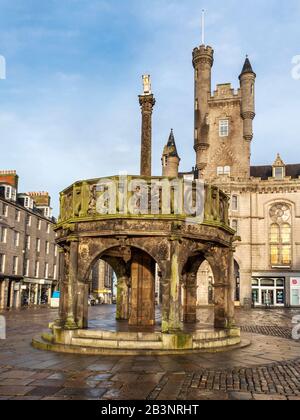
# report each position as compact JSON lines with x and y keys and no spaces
{"x":190,"y":299}
{"x":123,"y":299}
{"x":71,"y":285}
{"x":147,"y":103}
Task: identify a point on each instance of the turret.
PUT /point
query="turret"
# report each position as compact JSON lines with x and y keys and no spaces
{"x":203,"y":59}
{"x":247,"y":82}
{"x":170,"y":158}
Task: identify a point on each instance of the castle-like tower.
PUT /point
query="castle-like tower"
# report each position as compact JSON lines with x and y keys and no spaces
{"x":223,"y":120}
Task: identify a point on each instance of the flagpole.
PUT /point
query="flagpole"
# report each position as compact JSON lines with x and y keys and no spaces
{"x":203,"y":27}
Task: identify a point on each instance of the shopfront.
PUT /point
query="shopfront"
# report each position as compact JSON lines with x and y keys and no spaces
{"x":295,"y":291}
{"x":269,"y":292}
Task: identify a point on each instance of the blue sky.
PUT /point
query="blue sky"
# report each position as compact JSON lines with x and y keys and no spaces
{"x":69,"y":108}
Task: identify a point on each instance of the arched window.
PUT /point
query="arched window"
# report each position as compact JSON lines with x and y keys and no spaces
{"x":280,"y":235}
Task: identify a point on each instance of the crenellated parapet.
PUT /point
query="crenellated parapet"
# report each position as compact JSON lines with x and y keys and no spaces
{"x":150,"y":199}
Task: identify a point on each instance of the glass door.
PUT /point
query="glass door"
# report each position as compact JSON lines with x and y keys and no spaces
{"x":267,"y":297}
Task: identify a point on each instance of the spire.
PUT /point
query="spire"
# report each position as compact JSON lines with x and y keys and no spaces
{"x":247,"y":67}
{"x":171,"y":149}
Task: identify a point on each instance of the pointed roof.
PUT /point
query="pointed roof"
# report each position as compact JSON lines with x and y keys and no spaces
{"x":247,"y":67}
{"x":171,"y":149}
{"x":278,"y":162}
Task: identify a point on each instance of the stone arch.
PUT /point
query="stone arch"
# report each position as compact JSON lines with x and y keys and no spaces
{"x":85,"y":268}
{"x":221,"y":262}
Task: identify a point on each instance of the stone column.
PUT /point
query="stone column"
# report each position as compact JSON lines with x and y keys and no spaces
{"x":190,"y":299}
{"x":49,"y":295}
{"x":123,"y":299}
{"x":223,"y":289}
{"x":4,"y":294}
{"x":147,"y":103}
{"x":231,"y":290}
{"x":63,"y":282}
{"x":12,"y":294}
{"x":36,"y":294}
{"x":18,"y":297}
{"x":174,"y":275}
{"x":165,"y":307}
{"x":220,"y":300}
{"x":82,"y":307}
{"x":72,"y":261}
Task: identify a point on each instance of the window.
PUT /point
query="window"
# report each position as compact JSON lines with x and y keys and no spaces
{"x":278,"y":173}
{"x":28,"y":203}
{"x":46,"y":271}
{"x":18,"y":215}
{"x":3,"y":235}
{"x":235,"y":203}
{"x":5,"y":210}
{"x":227,"y":170}
{"x":15,"y":265}
{"x":47,"y":247}
{"x":220,"y":170}
{"x":38,"y":245}
{"x":196,"y":133}
{"x":48,"y":228}
{"x":55,"y":250}
{"x":280,"y":236}
{"x":39,"y":224}
{"x":28,"y":220}
{"x":196,"y":105}
{"x":26,"y":274}
{"x":224,"y":128}
{"x":27,"y":242}
{"x":37,"y":269}
{"x":16,"y":239}
{"x":2,"y":263}
{"x":223,"y":170}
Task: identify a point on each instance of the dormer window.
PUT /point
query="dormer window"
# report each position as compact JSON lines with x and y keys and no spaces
{"x":278,"y":168}
{"x":278,"y":173}
{"x":10,"y":193}
{"x":224,"y":128}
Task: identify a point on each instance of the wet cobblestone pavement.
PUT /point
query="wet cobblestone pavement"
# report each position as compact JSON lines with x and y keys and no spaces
{"x":268,"y":369}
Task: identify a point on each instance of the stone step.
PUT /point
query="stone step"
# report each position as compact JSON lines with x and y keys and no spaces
{"x":216,"y":344}
{"x":117,"y":344}
{"x":210,"y":335}
{"x":48,"y":345}
{"x":117,"y":336}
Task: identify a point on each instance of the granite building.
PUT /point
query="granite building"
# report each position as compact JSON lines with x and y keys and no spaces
{"x":265,"y":200}
{"x":28,"y":254}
